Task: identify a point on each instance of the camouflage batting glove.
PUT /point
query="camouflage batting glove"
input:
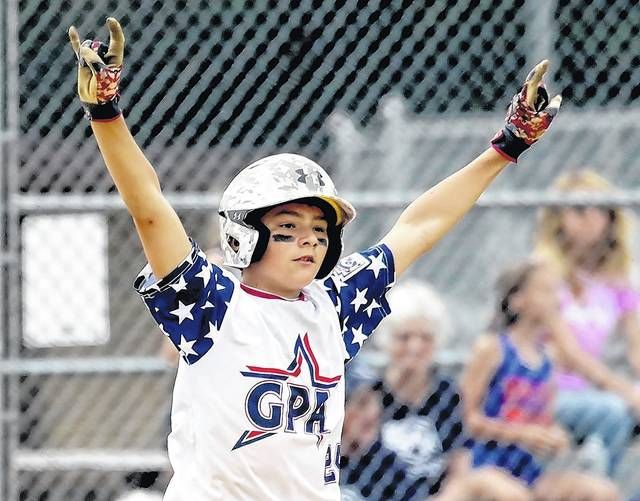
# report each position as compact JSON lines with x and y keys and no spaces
{"x":528,"y":117}
{"x":99,"y":70}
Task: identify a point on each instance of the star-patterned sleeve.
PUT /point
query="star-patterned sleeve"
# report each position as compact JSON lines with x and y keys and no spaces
{"x":357,"y":287}
{"x":190,"y":303}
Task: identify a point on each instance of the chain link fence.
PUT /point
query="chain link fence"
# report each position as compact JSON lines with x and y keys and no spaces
{"x":390,"y":95}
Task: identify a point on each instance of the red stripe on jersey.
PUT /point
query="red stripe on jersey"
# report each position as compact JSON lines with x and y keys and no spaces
{"x":316,"y":368}
{"x":268,"y":295}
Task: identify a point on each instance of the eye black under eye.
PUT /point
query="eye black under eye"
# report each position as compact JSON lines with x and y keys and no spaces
{"x":281,"y":238}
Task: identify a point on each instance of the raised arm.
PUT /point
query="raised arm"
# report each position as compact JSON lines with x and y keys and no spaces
{"x":428,"y":218}
{"x":163,"y":237}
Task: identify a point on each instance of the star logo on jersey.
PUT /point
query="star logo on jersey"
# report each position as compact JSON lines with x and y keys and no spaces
{"x":278,"y":401}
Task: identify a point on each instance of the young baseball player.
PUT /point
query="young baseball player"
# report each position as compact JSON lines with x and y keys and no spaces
{"x":259,"y":395}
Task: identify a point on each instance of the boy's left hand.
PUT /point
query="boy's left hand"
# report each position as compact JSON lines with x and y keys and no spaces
{"x":528,"y":117}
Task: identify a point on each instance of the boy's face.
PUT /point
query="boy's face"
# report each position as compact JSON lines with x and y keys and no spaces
{"x":297,"y":246}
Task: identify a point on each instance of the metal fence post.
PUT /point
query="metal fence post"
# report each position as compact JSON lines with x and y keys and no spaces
{"x":540,"y":30}
{"x":9,"y":319}
{"x":3,"y":253}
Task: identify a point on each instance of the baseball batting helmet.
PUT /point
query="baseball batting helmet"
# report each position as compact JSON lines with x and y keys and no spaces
{"x":271,"y":181}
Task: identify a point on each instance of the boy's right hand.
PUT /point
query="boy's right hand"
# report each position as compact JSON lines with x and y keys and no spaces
{"x":99,"y":71}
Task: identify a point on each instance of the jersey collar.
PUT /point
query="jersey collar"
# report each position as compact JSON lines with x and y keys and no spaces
{"x":269,"y":295}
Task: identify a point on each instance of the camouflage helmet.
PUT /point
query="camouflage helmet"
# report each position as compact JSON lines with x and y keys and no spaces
{"x":272,"y":181}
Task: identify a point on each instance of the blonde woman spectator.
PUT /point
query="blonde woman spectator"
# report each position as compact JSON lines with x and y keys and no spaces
{"x":589,"y":246}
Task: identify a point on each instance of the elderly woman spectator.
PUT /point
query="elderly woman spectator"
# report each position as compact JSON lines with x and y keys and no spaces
{"x":403,"y":437}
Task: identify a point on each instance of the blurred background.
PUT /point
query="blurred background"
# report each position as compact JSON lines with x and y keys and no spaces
{"x":390,"y":96}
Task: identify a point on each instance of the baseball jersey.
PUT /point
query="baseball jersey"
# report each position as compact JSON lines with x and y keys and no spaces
{"x":258,"y":401}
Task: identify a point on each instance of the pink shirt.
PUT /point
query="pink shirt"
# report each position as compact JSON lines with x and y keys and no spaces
{"x":593,"y":318}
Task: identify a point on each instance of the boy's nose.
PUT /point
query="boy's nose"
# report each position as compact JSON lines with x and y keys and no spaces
{"x":309,"y":239}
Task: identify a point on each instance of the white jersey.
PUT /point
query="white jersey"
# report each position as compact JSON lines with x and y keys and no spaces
{"x":258,"y":402}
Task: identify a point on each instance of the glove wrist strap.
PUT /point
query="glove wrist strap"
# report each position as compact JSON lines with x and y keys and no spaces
{"x":104,"y":112}
{"x":508,"y":144}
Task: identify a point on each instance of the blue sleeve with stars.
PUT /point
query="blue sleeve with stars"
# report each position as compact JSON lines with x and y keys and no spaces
{"x":189,"y":304}
{"x":357,"y":287}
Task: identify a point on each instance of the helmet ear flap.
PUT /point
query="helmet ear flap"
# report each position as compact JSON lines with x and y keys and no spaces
{"x":333,"y":252}
{"x":254,"y":219}
{"x":237,"y":241}
{"x":263,"y":241}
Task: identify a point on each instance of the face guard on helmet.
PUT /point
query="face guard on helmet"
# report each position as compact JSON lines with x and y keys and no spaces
{"x":272,"y":181}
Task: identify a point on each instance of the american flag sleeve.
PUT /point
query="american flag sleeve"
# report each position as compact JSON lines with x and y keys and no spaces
{"x":357,"y":287}
{"x":189,"y":304}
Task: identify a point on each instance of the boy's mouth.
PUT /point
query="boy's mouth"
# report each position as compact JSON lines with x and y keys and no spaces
{"x":305,"y":259}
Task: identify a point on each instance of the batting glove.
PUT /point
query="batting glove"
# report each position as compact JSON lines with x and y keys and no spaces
{"x":528,"y":116}
{"x":99,"y":70}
